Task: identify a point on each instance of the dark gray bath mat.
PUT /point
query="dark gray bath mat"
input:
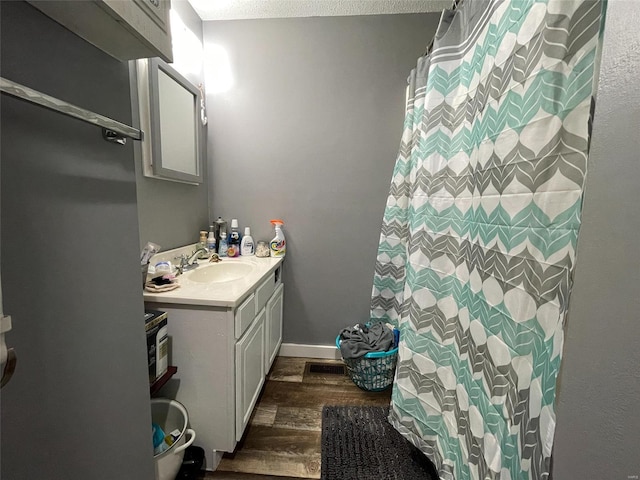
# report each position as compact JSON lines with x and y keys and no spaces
{"x":359,"y":443}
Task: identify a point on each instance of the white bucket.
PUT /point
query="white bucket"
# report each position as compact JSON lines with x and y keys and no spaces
{"x":171,"y":415}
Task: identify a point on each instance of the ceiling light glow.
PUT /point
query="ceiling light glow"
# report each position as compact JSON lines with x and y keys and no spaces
{"x":217,"y":69}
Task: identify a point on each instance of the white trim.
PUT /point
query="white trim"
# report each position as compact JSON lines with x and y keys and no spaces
{"x":217,"y":457}
{"x":309,"y":351}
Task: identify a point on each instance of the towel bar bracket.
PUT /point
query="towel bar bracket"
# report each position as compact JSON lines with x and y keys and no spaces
{"x":113,"y":137}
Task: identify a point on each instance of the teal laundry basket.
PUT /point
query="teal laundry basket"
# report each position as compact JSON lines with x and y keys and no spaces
{"x":373,"y":372}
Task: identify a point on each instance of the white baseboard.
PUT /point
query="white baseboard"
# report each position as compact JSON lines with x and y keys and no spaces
{"x":309,"y":351}
{"x":217,"y":457}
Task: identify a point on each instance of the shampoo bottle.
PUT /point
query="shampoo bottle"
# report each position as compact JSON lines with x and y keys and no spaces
{"x":278,"y":246}
{"x":246,"y":247}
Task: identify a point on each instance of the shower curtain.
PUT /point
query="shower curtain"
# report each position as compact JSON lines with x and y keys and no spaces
{"x":478,"y":242}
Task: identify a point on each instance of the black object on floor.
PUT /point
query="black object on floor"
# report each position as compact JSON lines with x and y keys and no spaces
{"x":359,"y":443}
{"x":191,"y":463}
{"x":325,"y":368}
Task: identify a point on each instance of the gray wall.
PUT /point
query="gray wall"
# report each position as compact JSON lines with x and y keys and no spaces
{"x":309,"y":133}
{"x":78,"y":405}
{"x":171,"y":214}
{"x":598,"y":402}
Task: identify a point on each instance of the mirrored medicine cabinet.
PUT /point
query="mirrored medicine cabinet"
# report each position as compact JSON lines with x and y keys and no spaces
{"x":169,"y":107}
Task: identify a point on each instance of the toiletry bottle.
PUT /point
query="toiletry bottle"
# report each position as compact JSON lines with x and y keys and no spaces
{"x":234,"y":239}
{"x":211,"y":241}
{"x":246,"y":247}
{"x":278,"y":246}
{"x":202,"y":244}
{"x":223,"y":246}
{"x":220,"y":226}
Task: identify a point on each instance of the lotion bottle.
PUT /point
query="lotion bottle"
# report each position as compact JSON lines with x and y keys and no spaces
{"x":211,"y":242}
{"x":246,"y":247}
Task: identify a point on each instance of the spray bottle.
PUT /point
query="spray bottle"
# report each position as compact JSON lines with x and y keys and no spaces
{"x":278,"y":245}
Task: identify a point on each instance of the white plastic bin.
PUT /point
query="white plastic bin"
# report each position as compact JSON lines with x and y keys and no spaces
{"x":171,"y":415}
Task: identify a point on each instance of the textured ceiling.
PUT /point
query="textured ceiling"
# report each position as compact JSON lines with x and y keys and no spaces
{"x":244,"y":9}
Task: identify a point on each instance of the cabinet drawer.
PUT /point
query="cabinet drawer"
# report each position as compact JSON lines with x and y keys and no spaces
{"x":264,"y":292}
{"x":245,"y":315}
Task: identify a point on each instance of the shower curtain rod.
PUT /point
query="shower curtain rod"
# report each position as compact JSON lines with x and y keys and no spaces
{"x":112,"y":130}
{"x":456,"y":4}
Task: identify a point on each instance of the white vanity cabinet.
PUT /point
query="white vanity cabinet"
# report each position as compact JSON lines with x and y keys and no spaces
{"x":223,"y":354}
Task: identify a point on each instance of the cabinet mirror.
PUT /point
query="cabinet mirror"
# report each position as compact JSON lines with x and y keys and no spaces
{"x":170,"y":117}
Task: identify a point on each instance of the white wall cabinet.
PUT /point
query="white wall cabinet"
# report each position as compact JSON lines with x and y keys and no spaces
{"x":169,"y":108}
{"x":125,"y":30}
{"x":223,"y":355}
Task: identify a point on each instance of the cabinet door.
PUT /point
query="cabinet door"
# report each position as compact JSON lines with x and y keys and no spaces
{"x":274,"y":326}
{"x":249,"y":372}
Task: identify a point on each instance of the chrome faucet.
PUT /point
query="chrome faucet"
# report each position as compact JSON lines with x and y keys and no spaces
{"x":189,"y":262}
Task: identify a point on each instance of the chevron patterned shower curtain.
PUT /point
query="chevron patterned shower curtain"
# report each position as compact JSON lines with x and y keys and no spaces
{"x":478,"y":242}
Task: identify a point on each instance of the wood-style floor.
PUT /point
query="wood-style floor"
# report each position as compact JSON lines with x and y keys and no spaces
{"x":282,"y":440}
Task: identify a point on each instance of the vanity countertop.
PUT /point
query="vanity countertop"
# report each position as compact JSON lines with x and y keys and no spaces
{"x":228,"y":294}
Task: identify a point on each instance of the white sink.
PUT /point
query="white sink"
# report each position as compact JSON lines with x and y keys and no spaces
{"x":223,"y":284}
{"x":219,"y":272}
